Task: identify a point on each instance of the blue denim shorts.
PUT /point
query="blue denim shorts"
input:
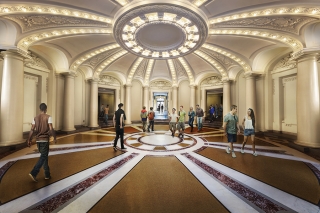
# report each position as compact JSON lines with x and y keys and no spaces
{"x":248,"y":132}
{"x":232,"y":138}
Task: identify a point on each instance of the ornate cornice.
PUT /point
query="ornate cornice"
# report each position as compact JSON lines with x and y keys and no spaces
{"x":180,"y":72}
{"x":290,"y":24}
{"x":212,"y":81}
{"x":36,"y":22}
{"x":222,"y":59}
{"x":35,"y":62}
{"x":96,"y":60}
{"x":140,"y":72}
{"x":161,"y":85}
{"x":285,"y":64}
{"x":109,"y":80}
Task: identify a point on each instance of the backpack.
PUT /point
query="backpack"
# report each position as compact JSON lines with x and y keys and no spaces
{"x":151,"y":115}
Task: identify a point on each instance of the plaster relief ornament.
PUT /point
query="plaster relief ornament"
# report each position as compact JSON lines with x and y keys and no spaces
{"x":160,"y":31}
{"x":290,"y":24}
{"x":160,"y":85}
{"x":34,"y":22}
{"x":212,"y":81}
{"x":109,"y":80}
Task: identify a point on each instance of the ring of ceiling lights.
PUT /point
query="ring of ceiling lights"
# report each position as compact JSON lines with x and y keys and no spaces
{"x":134,"y":31}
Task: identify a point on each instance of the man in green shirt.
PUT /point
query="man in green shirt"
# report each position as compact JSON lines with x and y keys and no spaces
{"x":180,"y":126}
{"x":231,"y":128}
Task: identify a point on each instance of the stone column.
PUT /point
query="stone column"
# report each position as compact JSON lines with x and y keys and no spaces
{"x":192,"y":98}
{"x":251,"y":92}
{"x":174,"y":97}
{"x":93,"y":113}
{"x":203,"y":102}
{"x":146,"y":97}
{"x":308,"y":99}
{"x":68,"y":118}
{"x":11,"y":122}
{"x":226,"y":97}
{"x":127,"y":104}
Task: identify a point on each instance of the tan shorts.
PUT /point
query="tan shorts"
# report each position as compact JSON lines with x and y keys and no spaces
{"x":180,"y":126}
{"x":172,"y":125}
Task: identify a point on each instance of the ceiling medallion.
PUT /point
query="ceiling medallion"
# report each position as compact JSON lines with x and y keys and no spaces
{"x":160,"y":31}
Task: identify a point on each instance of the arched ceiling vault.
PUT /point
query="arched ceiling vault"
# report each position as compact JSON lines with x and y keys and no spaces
{"x":175,"y":56}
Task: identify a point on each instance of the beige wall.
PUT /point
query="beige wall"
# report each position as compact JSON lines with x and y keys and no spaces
{"x":213,"y":99}
{"x":136,"y":100}
{"x":59,"y":101}
{"x":30,"y":100}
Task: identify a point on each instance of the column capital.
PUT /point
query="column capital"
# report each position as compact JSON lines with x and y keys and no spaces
{"x":128,"y":85}
{"x":69,"y":73}
{"x":251,"y":75}
{"x":12,"y":54}
{"x":146,"y":87}
{"x":93,"y":80}
{"x":307,"y":53}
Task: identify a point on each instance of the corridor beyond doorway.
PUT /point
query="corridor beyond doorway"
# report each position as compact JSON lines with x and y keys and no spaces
{"x":160,"y":105}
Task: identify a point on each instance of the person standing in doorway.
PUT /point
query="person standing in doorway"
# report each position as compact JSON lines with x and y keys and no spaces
{"x":106,"y":112}
{"x":248,"y":125}
{"x":102,"y":110}
{"x":231,"y":128}
{"x":144,"y":117}
{"x":42,"y":127}
{"x":151,"y":116}
{"x":173,"y":122}
{"x":191,"y":115}
{"x":199,"y":114}
{"x":161,"y":108}
{"x":181,"y":126}
{"x":118,"y":122}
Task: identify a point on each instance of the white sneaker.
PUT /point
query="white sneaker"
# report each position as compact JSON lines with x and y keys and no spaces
{"x":242,"y":151}
{"x":234,"y":155}
{"x":228,"y":150}
{"x":255,"y":154}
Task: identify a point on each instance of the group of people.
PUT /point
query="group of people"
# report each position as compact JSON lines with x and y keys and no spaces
{"x":215,"y":112}
{"x":104,"y":111}
{"x":43,"y":129}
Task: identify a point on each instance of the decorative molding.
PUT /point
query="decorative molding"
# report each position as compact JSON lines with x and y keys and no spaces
{"x":285,"y":64}
{"x":290,"y":24}
{"x":226,"y":61}
{"x":47,"y":84}
{"x":31,"y":77}
{"x":289,"y":79}
{"x":140,"y":72}
{"x":35,"y":62}
{"x":300,"y":11}
{"x":36,"y":22}
{"x":180,"y":71}
{"x":273,"y":87}
{"x":212,"y":81}
{"x":96,"y":60}
{"x":162,"y":85}
{"x":294,"y":43}
{"x":6,"y":9}
{"x":109,"y":80}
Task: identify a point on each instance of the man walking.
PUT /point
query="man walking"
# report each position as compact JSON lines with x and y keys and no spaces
{"x":151,"y":116}
{"x":106,"y":113}
{"x":42,"y":127}
{"x":118,"y":122}
{"x":199,"y":114}
{"x":173,"y":121}
{"x":181,"y":126}
{"x":144,"y":117}
{"x":231,"y":128}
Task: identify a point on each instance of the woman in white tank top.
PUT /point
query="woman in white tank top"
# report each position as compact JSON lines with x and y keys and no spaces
{"x":248,"y":125}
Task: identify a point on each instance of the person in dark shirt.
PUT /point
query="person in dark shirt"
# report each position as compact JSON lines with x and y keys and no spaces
{"x":42,"y":126}
{"x":118,"y":122}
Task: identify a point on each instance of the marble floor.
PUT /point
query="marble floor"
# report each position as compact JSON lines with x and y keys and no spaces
{"x":242,"y":184}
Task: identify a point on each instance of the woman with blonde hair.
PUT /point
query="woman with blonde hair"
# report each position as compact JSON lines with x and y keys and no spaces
{"x":248,"y":125}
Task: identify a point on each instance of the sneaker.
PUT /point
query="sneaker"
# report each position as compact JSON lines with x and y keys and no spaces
{"x":172,"y":135}
{"x":47,"y":178}
{"x":123,"y":148}
{"x":228,"y":150}
{"x":115,"y":148}
{"x":148,"y":130}
{"x":242,"y":151}
{"x":179,"y":135}
{"x":33,"y":178}
{"x":255,"y":154}
{"x":234,"y":155}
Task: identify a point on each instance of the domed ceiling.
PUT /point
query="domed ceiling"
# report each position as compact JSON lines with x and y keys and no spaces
{"x":148,"y":40}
